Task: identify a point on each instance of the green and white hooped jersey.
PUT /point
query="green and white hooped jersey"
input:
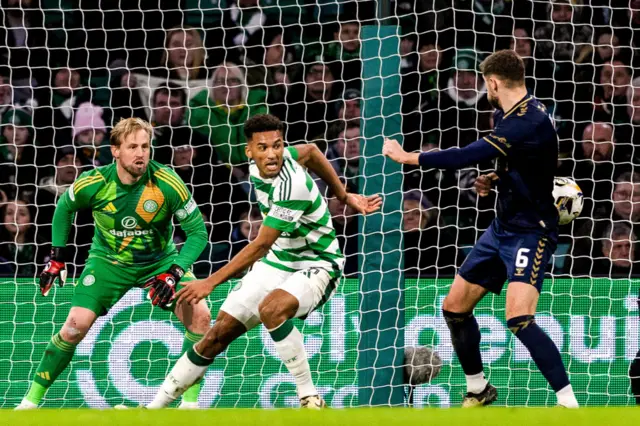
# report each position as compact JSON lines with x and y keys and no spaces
{"x":291,"y":203}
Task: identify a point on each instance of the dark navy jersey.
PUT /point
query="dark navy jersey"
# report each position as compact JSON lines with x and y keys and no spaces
{"x":526,"y":137}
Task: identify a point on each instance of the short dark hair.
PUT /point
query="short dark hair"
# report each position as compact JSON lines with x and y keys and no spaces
{"x":505,"y":64}
{"x":170,"y":89}
{"x":262,"y":123}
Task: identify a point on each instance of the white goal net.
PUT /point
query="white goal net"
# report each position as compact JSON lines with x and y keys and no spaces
{"x":341,"y":78}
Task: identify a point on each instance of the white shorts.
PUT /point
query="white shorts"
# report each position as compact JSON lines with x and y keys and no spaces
{"x":312,"y":287}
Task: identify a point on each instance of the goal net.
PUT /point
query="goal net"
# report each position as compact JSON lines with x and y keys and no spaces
{"x":340,"y":78}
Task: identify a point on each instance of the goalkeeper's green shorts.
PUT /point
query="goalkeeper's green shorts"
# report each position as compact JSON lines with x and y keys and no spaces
{"x":103,"y":282}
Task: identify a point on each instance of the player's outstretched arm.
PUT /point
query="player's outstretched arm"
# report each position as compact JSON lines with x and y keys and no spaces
{"x":255,"y":250}
{"x":76,"y":197}
{"x":310,"y":156}
{"x":456,"y":158}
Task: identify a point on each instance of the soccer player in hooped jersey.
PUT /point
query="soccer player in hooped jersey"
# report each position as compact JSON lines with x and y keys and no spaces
{"x":133,"y":201}
{"x":295,"y":261}
{"x":520,"y":241}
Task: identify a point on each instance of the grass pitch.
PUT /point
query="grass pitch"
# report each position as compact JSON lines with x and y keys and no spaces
{"x":346,"y":417}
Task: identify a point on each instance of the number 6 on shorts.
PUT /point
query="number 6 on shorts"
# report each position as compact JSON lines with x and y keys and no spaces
{"x":521,"y":258}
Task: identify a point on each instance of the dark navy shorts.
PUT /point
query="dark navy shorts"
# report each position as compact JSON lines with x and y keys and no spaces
{"x":502,"y":255}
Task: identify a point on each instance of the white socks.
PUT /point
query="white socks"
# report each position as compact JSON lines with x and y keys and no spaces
{"x":184,"y":374}
{"x":566,"y":398}
{"x":476,"y":383}
{"x":292,"y":353}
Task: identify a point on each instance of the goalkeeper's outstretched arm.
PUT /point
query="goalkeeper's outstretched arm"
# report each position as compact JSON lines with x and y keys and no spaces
{"x":456,"y":158}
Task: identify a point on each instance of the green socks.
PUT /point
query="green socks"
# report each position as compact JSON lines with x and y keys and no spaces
{"x":56,"y":357}
{"x":190,"y":339}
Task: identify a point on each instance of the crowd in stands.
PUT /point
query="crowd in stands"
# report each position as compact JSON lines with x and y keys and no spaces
{"x":69,"y":70}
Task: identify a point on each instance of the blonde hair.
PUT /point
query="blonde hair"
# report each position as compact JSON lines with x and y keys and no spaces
{"x":128,"y":126}
{"x":198,"y":54}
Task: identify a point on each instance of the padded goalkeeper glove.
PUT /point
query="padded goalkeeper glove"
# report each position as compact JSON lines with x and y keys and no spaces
{"x":54,"y":269}
{"x":163,"y":287}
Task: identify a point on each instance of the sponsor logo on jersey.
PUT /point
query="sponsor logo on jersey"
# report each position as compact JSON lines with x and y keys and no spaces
{"x":136,"y":233}
{"x":190,"y":207}
{"x":150,"y":206}
{"x":282,"y":213}
{"x":89,"y":280}
{"x":181,"y":214}
{"x":129,"y":222}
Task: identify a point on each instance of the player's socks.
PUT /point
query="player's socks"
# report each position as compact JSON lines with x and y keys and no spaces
{"x":476,"y":383}
{"x":189,"y":369}
{"x":566,"y":397}
{"x":56,"y":357}
{"x":191,"y":395}
{"x":634,"y":376}
{"x":543,"y":351}
{"x":290,"y":347}
{"x":465,"y":337}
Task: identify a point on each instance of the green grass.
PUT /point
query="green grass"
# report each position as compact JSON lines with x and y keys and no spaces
{"x":348,"y":417}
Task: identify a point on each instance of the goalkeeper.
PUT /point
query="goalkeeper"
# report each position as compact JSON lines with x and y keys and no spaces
{"x":520,"y":241}
{"x":133,"y":202}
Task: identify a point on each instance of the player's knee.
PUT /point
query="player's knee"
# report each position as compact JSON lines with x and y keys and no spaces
{"x":201,"y":318}
{"x":73,"y":331}
{"x":269,"y":311}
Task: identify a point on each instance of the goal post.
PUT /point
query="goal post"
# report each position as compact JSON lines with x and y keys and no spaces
{"x":381,"y":347}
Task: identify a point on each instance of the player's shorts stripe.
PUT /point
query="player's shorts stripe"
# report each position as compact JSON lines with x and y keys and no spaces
{"x":89,"y":181}
{"x":516,"y":107}
{"x":177,"y":185}
{"x":174,"y":183}
{"x":495,"y":146}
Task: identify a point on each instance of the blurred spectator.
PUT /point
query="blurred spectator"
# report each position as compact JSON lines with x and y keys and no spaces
{"x":219,"y":112}
{"x":246,"y":229}
{"x":425,"y":84}
{"x":538,"y":75}
{"x":349,"y":106}
{"x":242,"y":22}
{"x":124,"y":99}
{"x":408,"y":56}
{"x":458,"y":115}
{"x":20,"y":249}
{"x":184,"y":55}
{"x":268,"y":65}
{"x":610,"y":96}
{"x":344,"y":152}
{"x":613,"y":254}
{"x":6,"y":91}
{"x":343,"y":53}
{"x":18,"y":154}
{"x":23,"y":41}
{"x":57,"y":102}
{"x":629,"y":119}
{"x":592,"y":163}
{"x":429,"y":249}
{"x":310,"y":107}
{"x":68,"y":167}
{"x":345,"y":222}
{"x":90,"y":135}
{"x":169,"y":120}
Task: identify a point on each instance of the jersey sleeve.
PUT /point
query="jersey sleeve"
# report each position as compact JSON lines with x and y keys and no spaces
{"x":82,"y":191}
{"x":293,"y":152}
{"x":508,"y":133}
{"x":291,"y":198}
{"x":186,"y":211}
{"x":78,"y":196}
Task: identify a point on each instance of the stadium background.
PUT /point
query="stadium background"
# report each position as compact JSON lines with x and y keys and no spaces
{"x":342,"y":77}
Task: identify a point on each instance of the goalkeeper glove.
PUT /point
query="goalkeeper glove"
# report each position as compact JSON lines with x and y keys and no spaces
{"x":54,"y":269}
{"x":163,"y":287}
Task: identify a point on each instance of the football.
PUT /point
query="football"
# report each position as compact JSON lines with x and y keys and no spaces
{"x":568,"y":199}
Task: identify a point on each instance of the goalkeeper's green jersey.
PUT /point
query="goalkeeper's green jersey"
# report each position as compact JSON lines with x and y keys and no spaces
{"x":133,"y":223}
